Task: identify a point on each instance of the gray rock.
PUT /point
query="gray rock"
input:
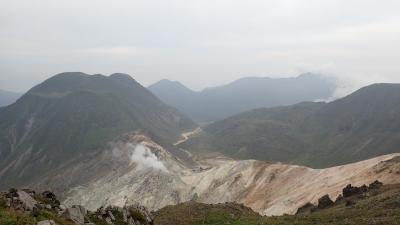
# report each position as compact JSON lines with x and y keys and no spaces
{"x":111,"y":215}
{"x":46,"y":222}
{"x":28,"y":203}
{"x":108,"y":220}
{"x":75,"y":213}
{"x":125,"y":214}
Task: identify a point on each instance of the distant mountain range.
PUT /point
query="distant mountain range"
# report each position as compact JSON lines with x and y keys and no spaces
{"x":8,"y":97}
{"x":241,"y":95}
{"x":362,"y":125}
{"x":71,"y":117}
{"x":97,"y":140}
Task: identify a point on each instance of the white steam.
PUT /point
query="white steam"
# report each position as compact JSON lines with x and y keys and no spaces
{"x":144,"y":158}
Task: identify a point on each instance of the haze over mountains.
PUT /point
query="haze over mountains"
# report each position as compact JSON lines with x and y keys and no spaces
{"x":244,"y":94}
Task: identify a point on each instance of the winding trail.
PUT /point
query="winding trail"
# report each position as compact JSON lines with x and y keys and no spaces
{"x":186,"y":135}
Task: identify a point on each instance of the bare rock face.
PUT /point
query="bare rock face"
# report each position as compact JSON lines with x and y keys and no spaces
{"x":75,"y":213}
{"x":46,"y":222}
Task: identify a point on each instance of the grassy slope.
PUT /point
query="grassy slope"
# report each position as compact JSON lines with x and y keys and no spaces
{"x":381,"y":207}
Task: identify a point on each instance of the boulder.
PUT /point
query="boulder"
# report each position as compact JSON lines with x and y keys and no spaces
{"x":28,"y":203}
{"x":46,"y":222}
{"x":75,"y":213}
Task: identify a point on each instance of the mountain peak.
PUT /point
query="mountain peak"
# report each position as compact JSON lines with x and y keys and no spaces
{"x":122,"y":76}
{"x":164,"y":86}
{"x":168,"y":83}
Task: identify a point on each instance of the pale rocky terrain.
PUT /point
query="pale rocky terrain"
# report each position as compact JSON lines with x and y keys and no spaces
{"x":147,"y":174}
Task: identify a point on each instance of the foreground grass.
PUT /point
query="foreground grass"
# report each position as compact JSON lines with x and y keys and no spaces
{"x":12,"y":217}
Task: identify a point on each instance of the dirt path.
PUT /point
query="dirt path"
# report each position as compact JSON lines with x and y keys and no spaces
{"x":185,"y":136}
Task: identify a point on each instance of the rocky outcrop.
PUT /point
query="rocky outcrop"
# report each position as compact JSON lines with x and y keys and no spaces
{"x":51,"y":199}
{"x":306,"y":209}
{"x":349,"y":190}
{"x":349,"y":197}
{"x":375,"y":185}
{"x":325,"y":202}
{"x":21,"y":200}
{"x":130,"y":215}
{"x":30,"y":203}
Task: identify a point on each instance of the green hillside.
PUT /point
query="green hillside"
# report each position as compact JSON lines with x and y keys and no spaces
{"x":75,"y":115}
{"x":362,"y":125}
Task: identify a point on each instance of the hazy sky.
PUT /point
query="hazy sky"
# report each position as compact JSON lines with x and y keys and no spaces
{"x":200,"y":43}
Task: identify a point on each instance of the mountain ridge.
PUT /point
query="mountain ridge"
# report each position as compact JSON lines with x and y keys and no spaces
{"x":362,"y":125}
{"x":241,"y":95}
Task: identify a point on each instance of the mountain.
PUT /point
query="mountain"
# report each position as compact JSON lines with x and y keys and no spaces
{"x":69,"y":119}
{"x":244,"y":94}
{"x":362,"y":125}
{"x":8,"y":97}
{"x":105,"y":140}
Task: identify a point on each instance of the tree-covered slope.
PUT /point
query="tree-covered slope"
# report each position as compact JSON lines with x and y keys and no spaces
{"x":74,"y":115}
{"x":360,"y":126}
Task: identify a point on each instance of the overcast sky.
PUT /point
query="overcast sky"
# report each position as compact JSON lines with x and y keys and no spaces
{"x":200,"y":43}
